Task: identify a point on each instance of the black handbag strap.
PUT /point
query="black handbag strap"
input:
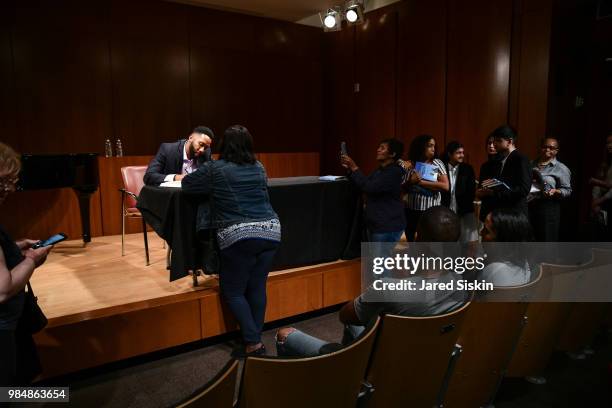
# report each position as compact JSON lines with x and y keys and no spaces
{"x":30,"y":289}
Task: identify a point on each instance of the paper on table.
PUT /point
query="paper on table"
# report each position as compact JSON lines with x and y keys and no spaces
{"x":171,"y":184}
{"x":330,"y":178}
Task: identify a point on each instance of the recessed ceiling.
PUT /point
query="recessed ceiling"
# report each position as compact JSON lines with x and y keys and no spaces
{"x":288,"y":10}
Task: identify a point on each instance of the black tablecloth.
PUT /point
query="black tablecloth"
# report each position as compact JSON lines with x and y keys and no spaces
{"x":320,"y":222}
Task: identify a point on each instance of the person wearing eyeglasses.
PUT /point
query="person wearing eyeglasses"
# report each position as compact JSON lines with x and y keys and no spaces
{"x":18,"y":359}
{"x":512,"y":181}
{"x":553,"y":180}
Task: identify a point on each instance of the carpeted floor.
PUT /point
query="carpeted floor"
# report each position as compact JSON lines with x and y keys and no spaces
{"x":162,"y":379}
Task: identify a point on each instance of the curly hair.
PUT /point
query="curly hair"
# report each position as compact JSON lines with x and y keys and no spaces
{"x":10,"y":162}
{"x":417,"y":148}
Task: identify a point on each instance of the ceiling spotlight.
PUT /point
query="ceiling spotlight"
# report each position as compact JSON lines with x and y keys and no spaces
{"x":353,"y":12}
{"x":351,"y":15}
{"x":332,"y":20}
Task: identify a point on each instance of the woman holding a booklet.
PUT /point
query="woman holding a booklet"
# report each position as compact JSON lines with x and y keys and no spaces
{"x":427,"y":179}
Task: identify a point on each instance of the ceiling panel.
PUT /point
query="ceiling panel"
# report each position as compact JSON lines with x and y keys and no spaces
{"x":288,"y":10}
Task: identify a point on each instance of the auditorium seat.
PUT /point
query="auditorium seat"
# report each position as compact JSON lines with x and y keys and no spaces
{"x":132,"y":184}
{"x":411,"y":358}
{"x":585,"y":318}
{"x":488,"y":337}
{"x":545,"y":320}
{"x":330,"y":380}
{"x":218,"y":392}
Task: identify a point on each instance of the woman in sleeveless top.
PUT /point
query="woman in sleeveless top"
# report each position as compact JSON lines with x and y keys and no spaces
{"x":17,"y":263}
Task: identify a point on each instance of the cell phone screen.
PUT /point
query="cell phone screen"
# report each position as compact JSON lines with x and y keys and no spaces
{"x":54,"y":239}
{"x":343,"y":149}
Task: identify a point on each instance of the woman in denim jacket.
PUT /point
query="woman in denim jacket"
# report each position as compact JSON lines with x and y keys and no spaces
{"x":248,"y":229}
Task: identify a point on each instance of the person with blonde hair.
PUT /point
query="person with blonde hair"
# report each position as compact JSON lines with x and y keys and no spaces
{"x":17,"y":263}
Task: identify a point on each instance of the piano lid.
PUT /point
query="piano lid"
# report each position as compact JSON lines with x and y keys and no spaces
{"x":45,"y":171}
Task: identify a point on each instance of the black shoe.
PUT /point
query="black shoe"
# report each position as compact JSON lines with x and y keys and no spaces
{"x":240,"y":353}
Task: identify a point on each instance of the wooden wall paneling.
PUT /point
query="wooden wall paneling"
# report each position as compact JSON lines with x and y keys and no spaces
{"x":342,"y":284}
{"x":40,"y":214}
{"x":150,"y":73}
{"x":421,"y":74}
{"x":89,"y":343}
{"x":221,"y":70}
{"x":339,"y":99}
{"x":293,"y":295}
{"x":598,"y":78}
{"x":287,"y":108}
{"x":515,"y":64}
{"x":217,"y":29}
{"x":375,"y":67}
{"x":267,"y":77}
{"x":110,"y":199}
{"x":220,"y":92}
{"x":571,"y":51}
{"x":8,"y":114}
{"x":478,"y":68}
{"x":283,"y":38}
{"x":536,"y":20}
{"x":216,"y":317}
{"x":289,"y":294}
{"x":62,"y":75}
{"x":290,"y":164}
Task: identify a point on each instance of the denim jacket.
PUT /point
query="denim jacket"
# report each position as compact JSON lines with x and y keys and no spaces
{"x":239,"y":192}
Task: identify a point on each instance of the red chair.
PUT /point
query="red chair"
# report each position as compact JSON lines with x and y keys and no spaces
{"x":133,"y":182}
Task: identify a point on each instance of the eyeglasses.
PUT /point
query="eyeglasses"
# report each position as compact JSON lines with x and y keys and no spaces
{"x":549,"y":147}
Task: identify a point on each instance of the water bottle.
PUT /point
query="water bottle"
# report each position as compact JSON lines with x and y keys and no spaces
{"x":108,"y":148}
{"x":119,"y":148}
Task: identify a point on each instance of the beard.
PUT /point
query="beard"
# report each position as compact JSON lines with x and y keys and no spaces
{"x":191,"y":153}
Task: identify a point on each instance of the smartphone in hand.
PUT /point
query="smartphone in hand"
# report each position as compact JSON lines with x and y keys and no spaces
{"x":343,"y":151}
{"x":51,"y":240}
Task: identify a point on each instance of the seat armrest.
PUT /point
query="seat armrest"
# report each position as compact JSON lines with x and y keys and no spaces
{"x":124,"y":191}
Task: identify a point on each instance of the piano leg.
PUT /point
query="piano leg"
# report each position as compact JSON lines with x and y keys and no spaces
{"x":84,"y":199}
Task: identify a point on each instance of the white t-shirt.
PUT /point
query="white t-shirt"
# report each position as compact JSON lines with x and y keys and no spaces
{"x":505,"y":273}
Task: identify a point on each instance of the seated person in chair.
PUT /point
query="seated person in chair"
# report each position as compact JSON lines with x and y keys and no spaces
{"x":437,"y":224}
{"x":175,"y":160}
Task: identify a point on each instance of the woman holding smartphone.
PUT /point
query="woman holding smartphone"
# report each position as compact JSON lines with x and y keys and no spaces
{"x":17,"y":263}
{"x":384,"y":213}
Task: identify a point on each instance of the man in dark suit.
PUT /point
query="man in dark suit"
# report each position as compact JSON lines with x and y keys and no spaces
{"x":175,"y":160}
{"x":462,"y":190}
{"x":514,"y":171}
{"x":460,"y":197}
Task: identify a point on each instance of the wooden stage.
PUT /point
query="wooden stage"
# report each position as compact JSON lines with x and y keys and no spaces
{"x":103,"y":307}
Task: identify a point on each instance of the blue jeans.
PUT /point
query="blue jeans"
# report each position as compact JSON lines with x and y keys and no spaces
{"x":242,"y":278}
{"x":300,"y":344}
{"x":385,"y":236}
{"x":381,"y":244}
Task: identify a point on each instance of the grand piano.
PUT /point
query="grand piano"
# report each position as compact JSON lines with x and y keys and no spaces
{"x":79,"y":171}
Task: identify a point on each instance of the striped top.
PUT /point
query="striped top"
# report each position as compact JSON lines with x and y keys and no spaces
{"x":269,"y":230}
{"x":420,"y":198}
